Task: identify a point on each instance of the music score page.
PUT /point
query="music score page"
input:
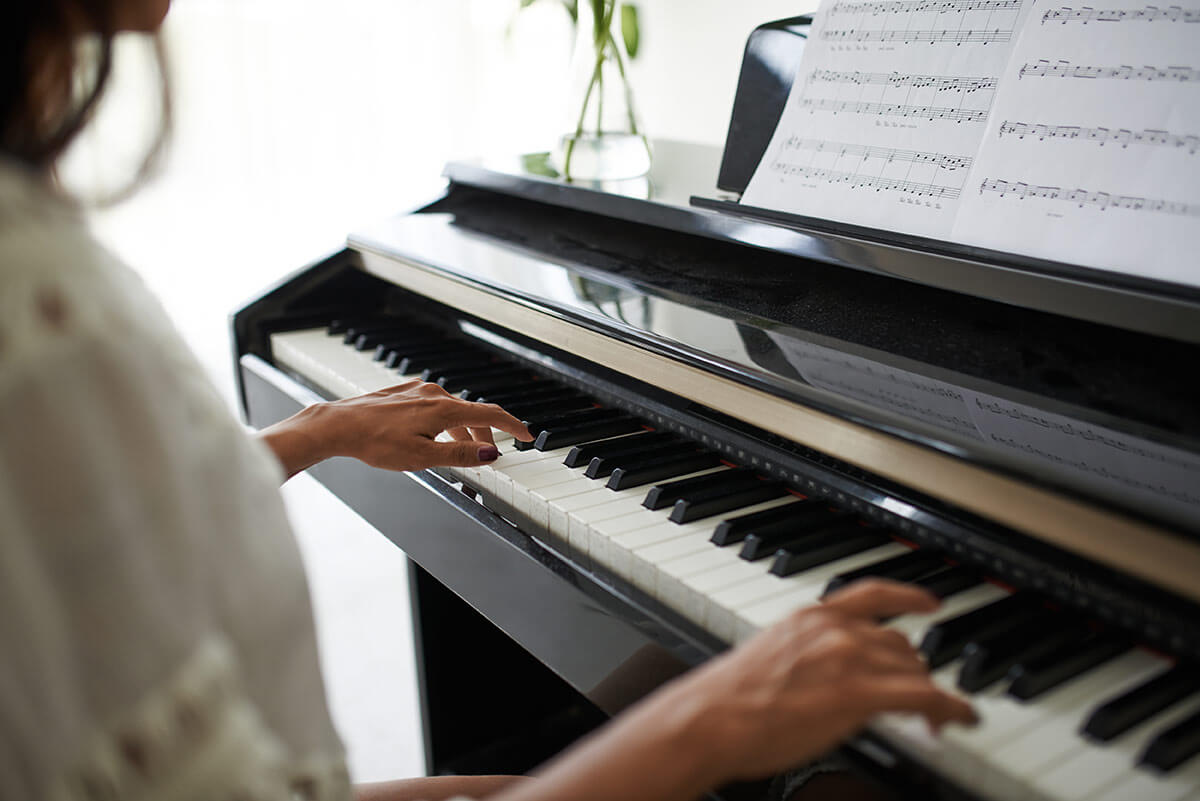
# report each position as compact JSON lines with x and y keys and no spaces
{"x":1025,"y":126}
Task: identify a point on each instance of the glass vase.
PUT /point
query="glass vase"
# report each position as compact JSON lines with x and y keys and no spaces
{"x":604,"y":140}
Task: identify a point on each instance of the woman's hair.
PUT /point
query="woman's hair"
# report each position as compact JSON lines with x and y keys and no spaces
{"x":55,"y":61}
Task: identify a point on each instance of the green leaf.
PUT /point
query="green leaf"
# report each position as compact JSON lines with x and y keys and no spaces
{"x":572,"y":7}
{"x":629,"y":28}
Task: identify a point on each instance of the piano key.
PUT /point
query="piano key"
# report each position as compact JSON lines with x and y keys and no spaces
{"x":665,"y":494}
{"x":668,"y":466}
{"x":536,"y":391}
{"x":356,"y":329}
{"x":417,"y":360}
{"x":637,"y":455}
{"x":946,"y":640}
{"x":395,"y":337}
{"x":1010,"y":724}
{"x":949,"y":581}
{"x":809,"y":521}
{"x":1049,"y":731}
{"x":797,"y":511}
{"x":1089,"y":768}
{"x":583,"y":454}
{"x":915,"y":627}
{"x":987,"y":659}
{"x":720,"y":499}
{"x":1144,"y":785}
{"x":387,"y":345}
{"x":489,"y":369}
{"x":1118,"y":715}
{"x":1033,"y":677}
{"x":768,"y":606}
{"x":905,"y":567}
{"x":843,"y":529}
{"x":538,"y":409}
{"x":1175,"y":745}
{"x":824,"y":546}
{"x":554,"y":437}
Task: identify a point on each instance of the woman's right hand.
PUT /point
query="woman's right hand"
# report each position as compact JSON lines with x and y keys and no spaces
{"x":781,"y":699}
{"x":796,"y":690}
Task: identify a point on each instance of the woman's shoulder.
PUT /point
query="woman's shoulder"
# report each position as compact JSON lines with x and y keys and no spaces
{"x":56,"y":278}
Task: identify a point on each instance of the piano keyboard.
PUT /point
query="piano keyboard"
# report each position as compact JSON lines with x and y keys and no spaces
{"x":1068,"y":711}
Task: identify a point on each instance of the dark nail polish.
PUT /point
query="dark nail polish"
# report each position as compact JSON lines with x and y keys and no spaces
{"x":489,"y":453}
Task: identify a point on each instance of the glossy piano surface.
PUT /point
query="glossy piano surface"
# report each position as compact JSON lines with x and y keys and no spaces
{"x":1105,"y":414}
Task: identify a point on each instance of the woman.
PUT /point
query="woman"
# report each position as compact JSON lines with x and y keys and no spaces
{"x":154,"y":621}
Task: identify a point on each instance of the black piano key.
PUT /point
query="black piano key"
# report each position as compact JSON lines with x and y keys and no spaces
{"x":418,"y":357}
{"x":802,"y":513}
{"x":373,"y":340}
{"x":735,"y":529}
{"x":535,"y":392}
{"x":719,"y":501}
{"x":417,"y":341}
{"x":583,"y":454}
{"x":1174,"y":746}
{"x":767,"y":539}
{"x":445,"y":365}
{"x":542,"y":410}
{"x":356,"y":330}
{"x":487,"y":369}
{"x":459,"y":386}
{"x":948,"y":581}
{"x":1115,"y":717}
{"x":663,"y":495}
{"x":905,"y":567}
{"x":642,"y":456}
{"x":654,"y":470}
{"x":340,"y":326}
{"x":824,"y":546}
{"x":944,"y":641}
{"x":988,"y":659}
{"x":553,"y":438}
{"x":1033,"y":677}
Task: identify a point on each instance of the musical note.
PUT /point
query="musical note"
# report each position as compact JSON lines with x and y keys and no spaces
{"x":942,"y":161}
{"x":1063,"y":69}
{"x":917,"y":6}
{"x":1085,"y":197}
{"x":933,"y":36}
{"x":1086,"y":14}
{"x":858,"y":181}
{"x":1100,"y":135}
{"x":896,"y":80}
{"x":895,"y":110}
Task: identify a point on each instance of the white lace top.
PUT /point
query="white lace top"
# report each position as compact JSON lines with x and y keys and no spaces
{"x":155,"y":627}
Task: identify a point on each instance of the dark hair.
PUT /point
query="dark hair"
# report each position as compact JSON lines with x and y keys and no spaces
{"x":49,"y":83}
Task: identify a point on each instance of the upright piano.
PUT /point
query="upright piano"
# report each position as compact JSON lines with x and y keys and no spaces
{"x":734,"y":414}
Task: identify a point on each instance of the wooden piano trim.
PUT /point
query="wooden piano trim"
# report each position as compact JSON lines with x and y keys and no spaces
{"x":1128,"y":545}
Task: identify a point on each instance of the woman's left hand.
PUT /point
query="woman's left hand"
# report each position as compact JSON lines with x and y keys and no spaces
{"x":395,"y":429}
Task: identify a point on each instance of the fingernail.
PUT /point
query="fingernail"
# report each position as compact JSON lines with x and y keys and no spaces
{"x":489,"y":453}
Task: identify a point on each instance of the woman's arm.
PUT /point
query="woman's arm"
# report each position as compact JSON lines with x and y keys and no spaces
{"x":781,"y":699}
{"x":394,"y":428}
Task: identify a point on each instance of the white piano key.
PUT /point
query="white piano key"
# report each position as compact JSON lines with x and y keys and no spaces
{"x":1089,"y":769}
{"x":1147,"y":785}
{"x":1057,"y":731}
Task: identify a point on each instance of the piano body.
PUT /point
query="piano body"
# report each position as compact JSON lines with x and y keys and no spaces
{"x":736,"y":412}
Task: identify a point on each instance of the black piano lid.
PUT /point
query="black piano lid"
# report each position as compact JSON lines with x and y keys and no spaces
{"x":1099,"y":412}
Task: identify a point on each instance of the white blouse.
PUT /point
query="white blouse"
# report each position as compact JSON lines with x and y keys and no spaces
{"x":156,"y":635}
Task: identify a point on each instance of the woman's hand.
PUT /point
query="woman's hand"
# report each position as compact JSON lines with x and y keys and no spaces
{"x":395,"y":428}
{"x":783,"y":698}
{"x":798,"y":689}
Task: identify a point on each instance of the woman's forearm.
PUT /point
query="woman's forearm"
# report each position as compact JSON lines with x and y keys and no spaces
{"x":298,"y":442}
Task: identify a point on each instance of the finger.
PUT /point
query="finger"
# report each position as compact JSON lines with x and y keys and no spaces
{"x":460,"y":434}
{"x":913,"y":694}
{"x":483,"y":434}
{"x":467,"y":413}
{"x":890,"y":662}
{"x":468,"y":453}
{"x":882,"y":637}
{"x":874,"y":599}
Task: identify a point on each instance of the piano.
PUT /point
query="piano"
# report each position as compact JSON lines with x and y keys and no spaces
{"x":735,"y":414}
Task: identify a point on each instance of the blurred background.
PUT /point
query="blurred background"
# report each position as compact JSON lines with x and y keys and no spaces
{"x":297,"y":121}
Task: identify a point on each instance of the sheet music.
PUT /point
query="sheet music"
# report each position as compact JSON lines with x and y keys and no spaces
{"x":887,"y":112}
{"x":1069,"y":133}
{"x":1093,"y":150}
